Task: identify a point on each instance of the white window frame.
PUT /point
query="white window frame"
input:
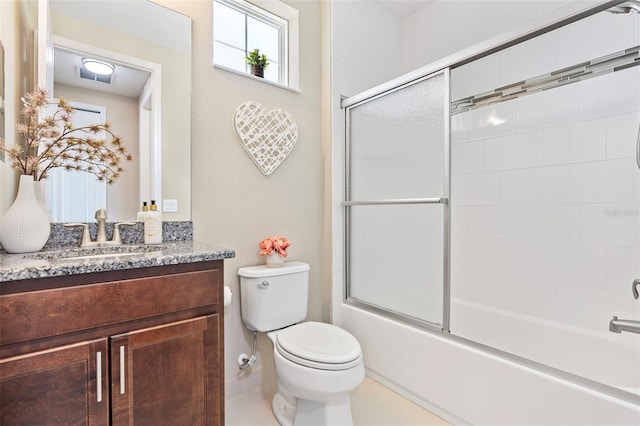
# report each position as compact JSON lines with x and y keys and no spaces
{"x":274,"y":12}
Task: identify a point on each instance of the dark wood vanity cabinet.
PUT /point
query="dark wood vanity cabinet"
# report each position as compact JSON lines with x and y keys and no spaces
{"x":133,"y":347}
{"x":57,"y":386}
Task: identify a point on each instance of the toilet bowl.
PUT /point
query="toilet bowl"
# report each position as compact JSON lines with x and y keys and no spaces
{"x":317,"y":364}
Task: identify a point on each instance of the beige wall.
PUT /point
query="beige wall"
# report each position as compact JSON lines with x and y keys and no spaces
{"x":234,"y":205}
{"x":175,"y":95}
{"x":122,"y":114}
{"x":17,"y":22}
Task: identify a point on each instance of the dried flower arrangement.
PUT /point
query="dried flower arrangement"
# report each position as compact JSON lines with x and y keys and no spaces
{"x":274,"y":243}
{"x":52,"y":142}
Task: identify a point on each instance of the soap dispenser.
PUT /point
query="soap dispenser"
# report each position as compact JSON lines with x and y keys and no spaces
{"x":143,"y":212}
{"x":153,"y":225}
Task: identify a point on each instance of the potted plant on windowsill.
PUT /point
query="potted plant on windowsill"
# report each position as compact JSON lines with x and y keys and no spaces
{"x":257,"y":62}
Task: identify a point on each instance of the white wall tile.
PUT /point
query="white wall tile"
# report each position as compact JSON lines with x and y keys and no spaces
{"x":420,"y":30}
{"x":469,"y":253}
{"x":612,"y":94}
{"x":495,"y":256}
{"x":510,"y":152}
{"x":554,"y":262}
{"x":493,"y":120}
{"x":338,"y":255}
{"x":557,"y":223}
{"x":609,"y":181}
{"x":539,"y":185}
{"x":348,"y":81}
{"x":593,"y":37}
{"x":591,"y":308}
{"x":466,"y":158}
{"x":622,"y":134}
{"x":529,"y":59}
{"x":613,"y":181}
{"x":549,"y":108}
{"x":528,"y":296}
{"x":475,"y":77}
{"x":460,"y":126}
{"x":573,"y":264}
{"x":475,"y":286}
{"x":459,"y":221}
{"x":512,"y":257}
{"x":572,"y":143}
{"x":616,"y":225}
{"x":571,"y":183}
{"x":475,"y":189}
{"x":338,"y":222}
{"x":588,"y":266}
{"x":623,"y":267}
{"x":338,"y":188}
{"x":495,"y":222}
{"x":350,"y":50}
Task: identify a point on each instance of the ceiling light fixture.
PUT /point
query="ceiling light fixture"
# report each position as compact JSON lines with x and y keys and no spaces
{"x":98,"y":67}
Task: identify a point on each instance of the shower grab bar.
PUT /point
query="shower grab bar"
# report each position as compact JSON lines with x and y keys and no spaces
{"x":397,"y":201}
{"x":618,"y":326}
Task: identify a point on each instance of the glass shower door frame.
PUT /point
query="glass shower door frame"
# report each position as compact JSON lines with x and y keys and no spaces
{"x":443,"y":200}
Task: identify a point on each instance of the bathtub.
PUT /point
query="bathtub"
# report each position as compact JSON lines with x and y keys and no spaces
{"x":605,"y":357}
{"x":466,"y":383}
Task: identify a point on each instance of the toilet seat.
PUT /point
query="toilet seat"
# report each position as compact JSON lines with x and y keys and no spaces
{"x":319,"y":345}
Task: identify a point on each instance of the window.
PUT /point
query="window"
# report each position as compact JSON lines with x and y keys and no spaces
{"x":240,"y":27}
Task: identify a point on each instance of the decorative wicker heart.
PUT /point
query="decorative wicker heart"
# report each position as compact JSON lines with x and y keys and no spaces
{"x":267,"y":137}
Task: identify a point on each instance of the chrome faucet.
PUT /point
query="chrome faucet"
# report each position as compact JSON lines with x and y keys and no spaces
{"x":101,"y":237}
{"x":618,"y":326}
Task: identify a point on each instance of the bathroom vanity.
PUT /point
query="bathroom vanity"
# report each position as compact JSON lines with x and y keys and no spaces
{"x":133,"y":339}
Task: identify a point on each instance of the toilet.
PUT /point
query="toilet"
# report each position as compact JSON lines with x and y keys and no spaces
{"x":317,"y":364}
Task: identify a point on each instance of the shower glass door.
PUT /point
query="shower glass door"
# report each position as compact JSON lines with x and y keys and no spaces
{"x":396,"y":212}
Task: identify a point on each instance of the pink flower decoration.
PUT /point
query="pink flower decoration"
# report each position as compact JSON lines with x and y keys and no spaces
{"x":274,"y":243}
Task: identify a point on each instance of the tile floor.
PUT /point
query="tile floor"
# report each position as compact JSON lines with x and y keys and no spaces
{"x":372,"y":404}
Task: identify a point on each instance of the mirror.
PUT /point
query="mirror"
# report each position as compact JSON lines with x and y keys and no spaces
{"x":146,"y":100}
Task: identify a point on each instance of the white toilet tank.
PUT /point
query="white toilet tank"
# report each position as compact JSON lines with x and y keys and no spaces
{"x":273,"y":298}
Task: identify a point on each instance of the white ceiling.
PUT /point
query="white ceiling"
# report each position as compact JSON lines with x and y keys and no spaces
{"x":125,"y":81}
{"x":404,"y":8}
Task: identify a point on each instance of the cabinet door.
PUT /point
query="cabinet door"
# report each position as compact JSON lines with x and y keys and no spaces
{"x":61,"y":386}
{"x":168,"y":375}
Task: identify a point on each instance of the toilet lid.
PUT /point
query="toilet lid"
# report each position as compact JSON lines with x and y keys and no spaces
{"x":319,"y":345}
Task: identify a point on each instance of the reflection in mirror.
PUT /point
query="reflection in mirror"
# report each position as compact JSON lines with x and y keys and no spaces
{"x":150,"y":65}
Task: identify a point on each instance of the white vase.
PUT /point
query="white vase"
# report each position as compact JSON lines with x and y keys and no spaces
{"x":24,"y":227}
{"x":274,"y":260}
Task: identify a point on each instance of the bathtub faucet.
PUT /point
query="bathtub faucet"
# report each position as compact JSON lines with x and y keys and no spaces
{"x":618,"y":326}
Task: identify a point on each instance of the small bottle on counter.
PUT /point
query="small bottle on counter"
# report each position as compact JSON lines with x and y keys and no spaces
{"x":153,"y":225}
{"x":143,"y":212}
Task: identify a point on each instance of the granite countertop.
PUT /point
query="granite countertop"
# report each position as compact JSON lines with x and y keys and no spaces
{"x":75,"y":260}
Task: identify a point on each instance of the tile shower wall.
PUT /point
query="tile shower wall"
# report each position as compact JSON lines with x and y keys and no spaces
{"x":545,"y":189}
